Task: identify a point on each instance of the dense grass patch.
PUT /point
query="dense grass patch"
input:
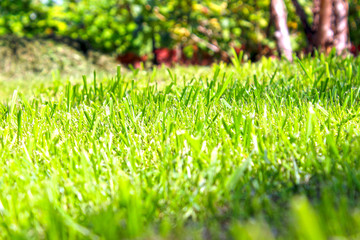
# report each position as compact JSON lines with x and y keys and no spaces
{"x":266,"y":150}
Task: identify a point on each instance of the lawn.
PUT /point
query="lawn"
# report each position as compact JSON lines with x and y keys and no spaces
{"x":269,"y":150}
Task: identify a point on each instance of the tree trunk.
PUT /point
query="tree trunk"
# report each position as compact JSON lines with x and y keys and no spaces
{"x":279,"y":18}
{"x":330,"y":25}
{"x":324,"y":36}
{"x":316,"y":15}
{"x":341,"y":40}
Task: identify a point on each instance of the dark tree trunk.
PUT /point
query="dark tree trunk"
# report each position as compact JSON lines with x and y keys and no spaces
{"x":303,"y":18}
{"x":153,"y":44}
{"x":316,"y":15}
{"x":279,"y":18}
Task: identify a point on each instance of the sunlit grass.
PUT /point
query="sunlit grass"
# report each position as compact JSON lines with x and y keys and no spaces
{"x":266,"y":150}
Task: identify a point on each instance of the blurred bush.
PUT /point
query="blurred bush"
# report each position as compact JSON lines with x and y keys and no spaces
{"x":136,"y":26}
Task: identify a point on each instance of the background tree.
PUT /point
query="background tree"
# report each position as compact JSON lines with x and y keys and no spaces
{"x":341,"y":35}
{"x":330,"y":25}
{"x":324,"y":36}
{"x":211,"y":27}
{"x":279,"y":18}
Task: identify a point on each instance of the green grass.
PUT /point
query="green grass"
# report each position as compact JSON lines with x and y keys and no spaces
{"x":256,"y":151}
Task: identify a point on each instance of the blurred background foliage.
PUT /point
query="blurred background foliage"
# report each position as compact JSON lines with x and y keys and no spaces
{"x":136,"y":26}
